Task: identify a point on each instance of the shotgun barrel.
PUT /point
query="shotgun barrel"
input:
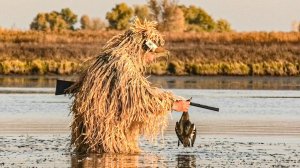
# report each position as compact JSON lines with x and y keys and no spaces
{"x":204,"y":106}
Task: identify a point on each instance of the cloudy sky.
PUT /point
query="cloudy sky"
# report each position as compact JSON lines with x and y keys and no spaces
{"x":244,"y":15}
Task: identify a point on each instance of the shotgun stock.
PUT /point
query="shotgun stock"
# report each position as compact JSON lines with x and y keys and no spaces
{"x":61,"y":86}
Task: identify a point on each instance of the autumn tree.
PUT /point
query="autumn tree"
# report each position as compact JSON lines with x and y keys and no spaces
{"x":223,"y":25}
{"x":119,"y":16}
{"x":40,"y":22}
{"x":98,"y":24}
{"x":69,"y":17}
{"x":54,"y":21}
{"x":155,"y":9}
{"x":173,"y":17}
{"x":142,"y":12}
{"x":91,"y":24}
{"x":197,"y":19}
{"x":169,"y":16}
{"x":86,"y":22}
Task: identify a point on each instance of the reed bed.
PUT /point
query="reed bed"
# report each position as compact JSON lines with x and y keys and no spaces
{"x":38,"y":67}
{"x":251,"y":53}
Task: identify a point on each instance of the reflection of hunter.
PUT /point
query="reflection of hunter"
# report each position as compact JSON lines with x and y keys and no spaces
{"x":113,"y":101}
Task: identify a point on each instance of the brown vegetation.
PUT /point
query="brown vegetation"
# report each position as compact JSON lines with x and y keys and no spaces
{"x":256,"y":53}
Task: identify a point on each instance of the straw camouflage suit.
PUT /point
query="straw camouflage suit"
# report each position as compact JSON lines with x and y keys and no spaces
{"x":113,"y":101}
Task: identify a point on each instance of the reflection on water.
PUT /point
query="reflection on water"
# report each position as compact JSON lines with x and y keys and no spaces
{"x":228,"y":82}
{"x":31,"y":81}
{"x":105,"y":160}
{"x":186,"y":82}
{"x":186,"y":161}
{"x":120,"y":160}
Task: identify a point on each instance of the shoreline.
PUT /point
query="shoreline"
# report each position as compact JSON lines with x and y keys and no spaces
{"x":171,"y":82}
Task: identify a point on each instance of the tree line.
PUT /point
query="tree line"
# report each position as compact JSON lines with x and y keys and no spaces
{"x":169,"y":15}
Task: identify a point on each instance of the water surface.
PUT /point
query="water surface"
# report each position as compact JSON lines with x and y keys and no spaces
{"x":184,"y":82}
{"x":258,"y":125}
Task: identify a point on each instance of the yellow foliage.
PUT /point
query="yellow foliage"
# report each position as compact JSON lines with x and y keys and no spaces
{"x":39,"y":67}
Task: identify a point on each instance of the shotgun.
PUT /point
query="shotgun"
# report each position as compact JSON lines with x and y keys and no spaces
{"x":62,"y":85}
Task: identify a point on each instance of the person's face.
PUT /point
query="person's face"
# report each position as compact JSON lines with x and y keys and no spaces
{"x":159,"y":52}
{"x":149,"y":57}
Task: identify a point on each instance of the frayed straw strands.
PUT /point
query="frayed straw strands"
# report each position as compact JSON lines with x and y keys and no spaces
{"x":113,"y":101}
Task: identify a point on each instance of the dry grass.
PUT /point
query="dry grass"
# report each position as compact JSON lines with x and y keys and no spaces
{"x":38,"y":67}
{"x":233,"y":37}
{"x":85,"y":36}
{"x":254,"y":53}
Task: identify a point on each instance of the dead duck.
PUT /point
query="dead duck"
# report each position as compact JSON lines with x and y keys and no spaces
{"x":186,"y":131}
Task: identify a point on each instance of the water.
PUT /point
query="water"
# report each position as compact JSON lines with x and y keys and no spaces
{"x":187,"y":82}
{"x":255,"y":127}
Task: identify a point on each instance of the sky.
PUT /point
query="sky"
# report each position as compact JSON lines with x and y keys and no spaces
{"x":243,"y":15}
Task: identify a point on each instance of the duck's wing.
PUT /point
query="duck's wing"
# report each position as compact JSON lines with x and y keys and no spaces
{"x":178,"y":132}
{"x":187,"y":128}
{"x":193,"y":134}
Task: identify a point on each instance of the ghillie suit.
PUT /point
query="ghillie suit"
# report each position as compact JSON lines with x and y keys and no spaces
{"x":113,"y":101}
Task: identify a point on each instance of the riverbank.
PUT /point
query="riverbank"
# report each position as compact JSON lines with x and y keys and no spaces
{"x":169,"y":82}
{"x":246,"y":54}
